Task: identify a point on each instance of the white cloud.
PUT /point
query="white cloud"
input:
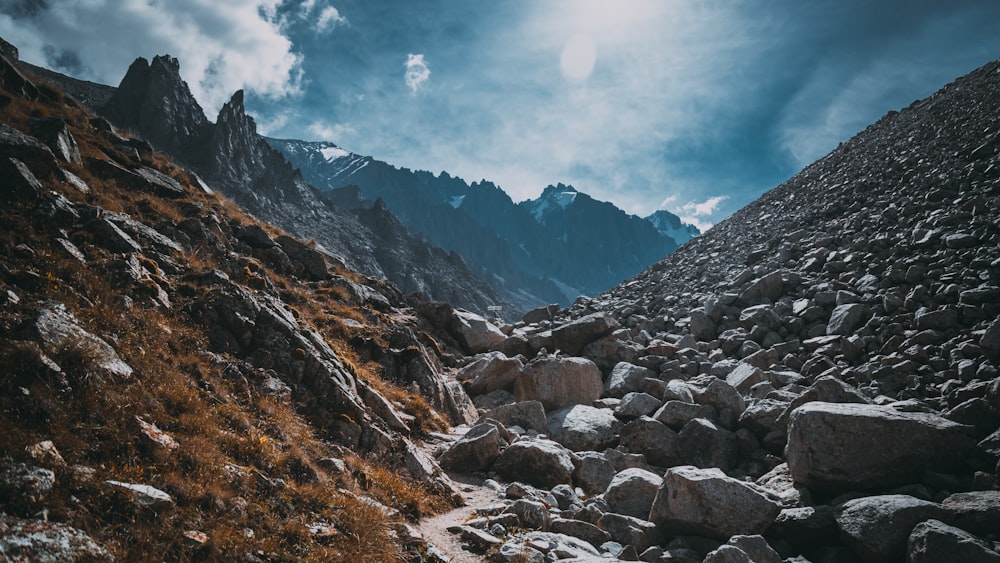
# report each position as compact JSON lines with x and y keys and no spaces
{"x":704,"y":208}
{"x":700,"y":224}
{"x":329,"y":18}
{"x":417,"y":72}
{"x":334,"y":132}
{"x":222,"y":45}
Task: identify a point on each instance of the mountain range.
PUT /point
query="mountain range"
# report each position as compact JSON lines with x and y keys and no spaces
{"x":468,"y":244}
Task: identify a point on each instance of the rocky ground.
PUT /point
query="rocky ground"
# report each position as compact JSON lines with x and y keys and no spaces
{"x":813,"y":379}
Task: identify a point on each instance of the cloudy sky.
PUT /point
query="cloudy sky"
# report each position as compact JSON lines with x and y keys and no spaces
{"x":693,"y":106}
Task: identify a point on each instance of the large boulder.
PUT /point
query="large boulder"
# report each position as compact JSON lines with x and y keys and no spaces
{"x":706,"y":502}
{"x":626,"y":378}
{"x":703,"y":444}
{"x":475,"y":451}
{"x":529,"y":415}
{"x":559,"y":382}
{"x":490,"y":371}
{"x":845,"y":318}
{"x":582,"y":427}
{"x":573,"y":336}
{"x":631,"y":492}
{"x":877,"y":528}
{"x":475,"y":333}
{"x":542,"y":463}
{"x":62,"y":336}
{"x":653,"y":439}
{"x":934,"y":541}
{"x":840,"y":447}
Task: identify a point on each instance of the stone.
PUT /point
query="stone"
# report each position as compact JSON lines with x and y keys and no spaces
{"x":531,"y":514}
{"x":676,"y":414}
{"x":765,"y":288}
{"x":630,"y":531}
{"x":559,"y":382}
{"x":877,"y":528}
{"x":846,"y":318}
{"x":806,"y":527}
{"x":45,"y":452}
{"x":744,"y":376}
{"x":475,"y":333}
{"x":561,"y":546}
{"x":626,"y":378}
{"x":573,"y":336}
{"x":154,"y":438}
{"x":721,"y":395}
{"x":756,"y":547}
{"x":582,"y":427}
{"x":701,"y":325}
{"x":60,"y":334}
{"x":542,"y":463}
{"x":728,"y":554}
{"x":529,"y":415}
{"x":631,"y":492}
{"x":43,"y":541}
{"x":18,"y":181}
{"x":634,"y":405}
{"x":478,"y":539}
{"x":579,"y":529}
{"x":703,"y":444}
{"x":25,"y":485}
{"x":142,"y":495}
{"x":652,"y":439}
{"x":840,"y":447}
{"x":594,"y":472}
{"x":940,"y":319}
{"x":934,"y":541}
{"x":313,"y":263}
{"x":706,"y":502}
{"x":475,"y":451}
{"x":490,"y":371}
{"x":975,"y":511}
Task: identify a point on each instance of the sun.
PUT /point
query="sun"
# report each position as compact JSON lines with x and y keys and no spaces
{"x":578,"y":58}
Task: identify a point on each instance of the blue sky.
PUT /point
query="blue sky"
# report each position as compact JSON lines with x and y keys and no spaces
{"x":697,"y":107}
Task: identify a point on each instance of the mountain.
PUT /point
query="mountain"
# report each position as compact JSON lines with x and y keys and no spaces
{"x":671,"y":226}
{"x":530,"y":258}
{"x":154,"y":102}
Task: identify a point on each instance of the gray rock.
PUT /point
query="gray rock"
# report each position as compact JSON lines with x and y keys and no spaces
{"x":529,"y":415}
{"x":542,"y":463}
{"x":48,"y":542}
{"x":975,"y":511}
{"x":877,"y":528}
{"x":60,"y":334}
{"x":475,"y":333}
{"x":626,"y":378}
{"x":584,"y":428}
{"x":594,"y":472}
{"x":676,"y":414}
{"x":706,"y":502}
{"x":766,"y":288}
{"x":744,"y":376}
{"x":142,"y":495}
{"x":634,"y":405}
{"x":756,"y":547}
{"x":312,"y":261}
{"x":25,"y":484}
{"x":559,"y":382}
{"x":561,"y":546}
{"x":845,"y":318}
{"x":475,"y":451}
{"x":629,"y":530}
{"x":531,"y":514}
{"x":702,"y":326}
{"x":651,"y":438}
{"x":841,"y":447}
{"x":703,"y":444}
{"x":579,"y":529}
{"x":721,"y":395}
{"x":573,"y":336}
{"x":631,"y":492}
{"x":934,"y":541}
{"x":490,"y":372}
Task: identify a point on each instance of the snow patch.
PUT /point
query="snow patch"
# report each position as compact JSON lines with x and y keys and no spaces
{"x":333,"y":153}
{"x":456,"y":201}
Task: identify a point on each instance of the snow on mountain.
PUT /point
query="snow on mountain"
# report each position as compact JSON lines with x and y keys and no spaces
{"x":670,"y":225}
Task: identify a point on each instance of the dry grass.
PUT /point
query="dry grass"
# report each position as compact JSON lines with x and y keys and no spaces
{"x":245,"y":472}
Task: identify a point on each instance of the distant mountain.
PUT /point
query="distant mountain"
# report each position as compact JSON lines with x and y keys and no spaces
{"x":552,"y":249}
{"x":155,"y":103}
{"x":672,"y":226}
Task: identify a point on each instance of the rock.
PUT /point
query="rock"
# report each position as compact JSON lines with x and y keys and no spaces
{"x":142,"y":495}
{"x":475,"y":451}
{"x":629,"y":530}
{"x":491,"y":371}
{"x":52,"y":542}
{"x":60,"y":334}
{"x":756,"y":547}
{"x":579,"y":529}
{"x":581,"y":427}
{"x":28,"y":150}
{"x":744,"y":376}
{"x":728,"y":554}
{"x":701,"y":326}
{"x":975,"y":511}
{"x":807,"y":527}
{"x":313,"y":264}
{"x":531,"y":514}
{"x":703,"y":444}
{"x":559,"y":382}
{"x":475,"y":333}
{"x":45,"y":452}
{"x":845,"y":318}
{"x":529,"y":415}
{"x":877,"y":528}
{"x":542,"y":463}
{"x":626,"y":378}
{"x":841,"y":447}
{"x":24,"y":486}
{"x":634,"y":405}
{"x":676,"y":414}
{"x":573,"y":336}
{"x":934,"y":541}
{"x":154,"y":438}
{"x":159,"y":183}
{"x":594,"y":472}
{"x":706,"y":502}
{"x":631,"y":492}
{"x":478,"y":539}
{"x":721,"y":395}
{"x":540,"y":314}
{"x":652,"y":439}
{"x":559,"y":546}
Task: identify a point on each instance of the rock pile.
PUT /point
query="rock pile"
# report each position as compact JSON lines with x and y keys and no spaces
{"x":816,"y":378}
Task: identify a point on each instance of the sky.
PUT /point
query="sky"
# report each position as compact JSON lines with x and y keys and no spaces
{"x":697,"y":107}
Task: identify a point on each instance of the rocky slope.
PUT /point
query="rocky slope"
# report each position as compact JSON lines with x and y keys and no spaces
{"x":534,"y":253}
{"x":182,"y":382}
{"x":814,"y":379}
{"x":153,"y":102}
